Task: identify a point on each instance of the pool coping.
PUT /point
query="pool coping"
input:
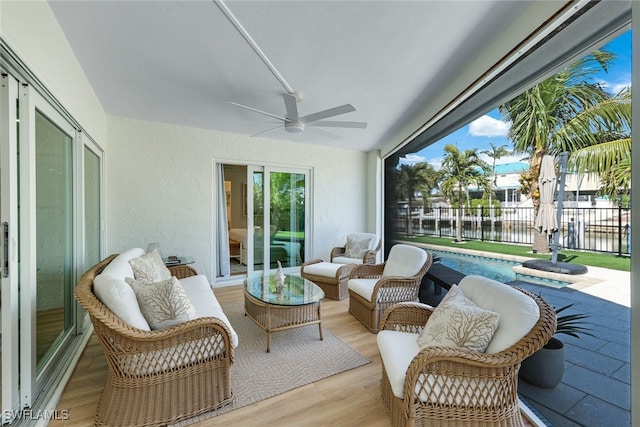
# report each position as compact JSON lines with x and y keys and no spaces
{"x":578,"y":282}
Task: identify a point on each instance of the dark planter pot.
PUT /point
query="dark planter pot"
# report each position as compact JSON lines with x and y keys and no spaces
{"x":545,"y":367}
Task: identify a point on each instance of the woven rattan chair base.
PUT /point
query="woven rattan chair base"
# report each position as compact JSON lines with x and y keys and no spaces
{"x":158,"y":377}
{"x":368,"y":314}
{"x":186,"y":393}
{"x":422,"y":414}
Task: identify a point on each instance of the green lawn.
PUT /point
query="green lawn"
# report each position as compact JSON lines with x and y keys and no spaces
{"x":603,"y":260}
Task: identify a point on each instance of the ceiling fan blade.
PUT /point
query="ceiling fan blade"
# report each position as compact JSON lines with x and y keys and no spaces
{"x":325,"y":133}
{"x":266,"y":131}
{"x":291,"y":104}
{"x":259,"y":111}
{"x":337,"y":124}
{"x":335,"y":111}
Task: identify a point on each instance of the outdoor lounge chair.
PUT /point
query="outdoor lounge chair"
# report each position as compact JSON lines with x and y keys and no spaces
{"x":375,"y":287}
{"x":440,"y":385}
{"x":360,"y":248}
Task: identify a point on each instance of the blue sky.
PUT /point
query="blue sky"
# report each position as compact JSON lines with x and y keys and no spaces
{"x":490,"y":129}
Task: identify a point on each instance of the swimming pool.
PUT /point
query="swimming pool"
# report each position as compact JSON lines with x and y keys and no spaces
{"x":494,"y":268}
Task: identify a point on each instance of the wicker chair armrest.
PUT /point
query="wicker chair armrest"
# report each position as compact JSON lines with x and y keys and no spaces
{"x":337,"y":251}
{"x":367,"y":271}
{"x":370,"y":256}
{"x":182,"y":271}
{"x":390,"y":284}
{"x":406,"y":317}
{"x":145,"y":354}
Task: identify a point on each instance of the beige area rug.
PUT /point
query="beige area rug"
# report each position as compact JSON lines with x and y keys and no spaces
{"x":297,"y":358}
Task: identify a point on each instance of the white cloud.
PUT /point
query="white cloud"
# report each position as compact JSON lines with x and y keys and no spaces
{"x":615,"y":87}
{"x":488,"y":126}
{"x":411,"y":159}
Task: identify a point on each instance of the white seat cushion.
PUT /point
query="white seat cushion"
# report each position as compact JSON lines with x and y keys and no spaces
{"x":518,"y":312}
{"x":345,"y":260}
{"x":363,"y":287}
{"x":324,"y":269}
{"x":397,"y":349}
{"x":404,"y":261}
{"x":205,"y":302}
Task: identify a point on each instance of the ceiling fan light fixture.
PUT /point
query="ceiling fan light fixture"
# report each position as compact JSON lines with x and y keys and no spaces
{"x":294,"y":127}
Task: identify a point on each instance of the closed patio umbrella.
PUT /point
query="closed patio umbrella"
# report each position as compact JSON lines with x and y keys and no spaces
{"x":546,"y":221}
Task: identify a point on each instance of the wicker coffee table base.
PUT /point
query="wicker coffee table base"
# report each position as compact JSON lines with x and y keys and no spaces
{"x":273,"y":318}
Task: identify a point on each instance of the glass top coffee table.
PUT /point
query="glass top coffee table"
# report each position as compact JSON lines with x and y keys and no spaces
{"x":273,"y":310}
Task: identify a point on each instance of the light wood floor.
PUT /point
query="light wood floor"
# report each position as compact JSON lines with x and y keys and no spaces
{"x":351,"y":398}
{"x":348,"y":399}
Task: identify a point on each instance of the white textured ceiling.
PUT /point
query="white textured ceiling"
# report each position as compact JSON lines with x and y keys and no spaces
{"x":184,"y":62}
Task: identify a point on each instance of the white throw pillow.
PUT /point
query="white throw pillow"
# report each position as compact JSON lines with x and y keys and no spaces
{"x":150,"y":268}
{"x":163,"y":304}
{"x":357,"y":246}
{"x":458,"y":323}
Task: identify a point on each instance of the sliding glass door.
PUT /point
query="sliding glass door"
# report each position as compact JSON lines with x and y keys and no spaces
{"x":9,"y":301}
{"x":277,"y":201}
{"x":50,"y":231}
{"x":47,"y":236}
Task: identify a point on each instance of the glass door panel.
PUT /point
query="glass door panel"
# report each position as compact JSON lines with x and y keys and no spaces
{"x":92,"y":186}
{"x":54,"y":216}
{"x":277,"y":223}
{"x":256,"y":218}
{"x":287,"y":217}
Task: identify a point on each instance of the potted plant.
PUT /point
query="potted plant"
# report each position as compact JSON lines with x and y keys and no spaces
{"x":545,"y":367}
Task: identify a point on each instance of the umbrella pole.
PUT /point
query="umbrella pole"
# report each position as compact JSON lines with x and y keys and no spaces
{"x":562,"y":169}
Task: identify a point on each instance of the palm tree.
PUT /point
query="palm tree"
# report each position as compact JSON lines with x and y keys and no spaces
{"x":610,"y":158}
{"x":459,"y":171}
{"x":495,"y":153}
{"x":567,"y":112}
{"x":418,"y":177}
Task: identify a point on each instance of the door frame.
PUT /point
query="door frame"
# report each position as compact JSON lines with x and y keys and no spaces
{"x":33,"y":379}
{"x":267,"y":167}
{"x":9,"y":224}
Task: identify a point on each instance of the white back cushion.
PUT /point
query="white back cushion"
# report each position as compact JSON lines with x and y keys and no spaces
{"x":518,"y":312}
{"x":404,"y":261}
{"x":120,"y":267}
{"x":119,"y":297}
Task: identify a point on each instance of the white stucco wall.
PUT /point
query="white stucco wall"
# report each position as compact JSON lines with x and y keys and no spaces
{"x":160,"y":186}
{"x":32,"y":32}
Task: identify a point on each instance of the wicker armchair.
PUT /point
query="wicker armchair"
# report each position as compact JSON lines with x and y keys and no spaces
{"x":158,"y":377}
{"x":339,"y":253}
{"x":375,"y":287}
{"x":452,"y":387}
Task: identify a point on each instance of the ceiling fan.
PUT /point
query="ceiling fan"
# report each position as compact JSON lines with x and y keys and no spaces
{"x":293,"y":123}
